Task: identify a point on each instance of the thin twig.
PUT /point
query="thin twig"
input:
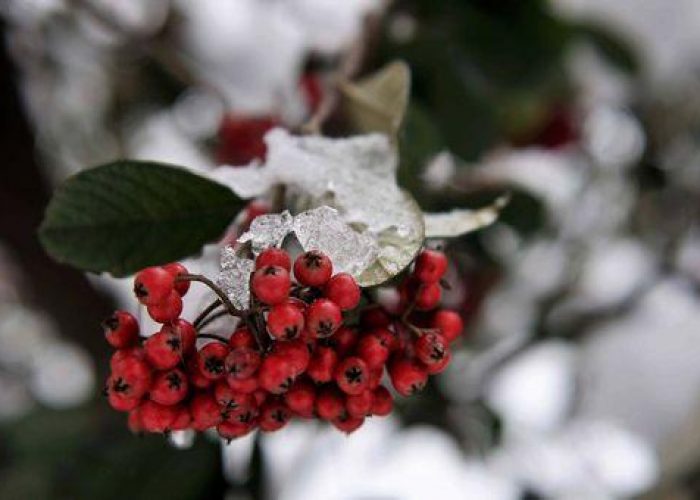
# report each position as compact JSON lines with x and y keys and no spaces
{"x":233,"y":311}
{"x":202,"y":316}
{"x":211,"y":318}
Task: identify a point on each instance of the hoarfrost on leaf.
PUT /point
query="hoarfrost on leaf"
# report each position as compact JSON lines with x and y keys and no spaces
{"x":462,"y":221}
{"x":234,"y":277}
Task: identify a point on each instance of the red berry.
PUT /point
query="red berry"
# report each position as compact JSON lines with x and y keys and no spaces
{"x":439,"y":367}
{"x":134,"y":421}
{"x":241,"y":138}
{"x":233,"y":430}
{"x":431,"y":348}
{"x":430,"y":266}
{"x":156,"y":417}
{"x":344,"y":340}
{"x":246,"y":385}
{"x":121,"y":355}
{"x":274,"y":257}
{"x":212,"y":360}
{"x":285,"y":321}
{"x":183,"y":419}
{"x":229,"y":399}
{"x":168,"y":310}
{"x":176,"y":269}
{"x":195,"y":376}
{"x":242,"y":338}
{"x":428,"y":296}
{"x":343,"y":290}
{"x":169,"y":387}
{"x":260,"y":396}
{"x":382,"y":402}
{"x":300,"y":398}
{"x":242,"y":362}
{"x":121,"y":329}
{"x":359,"y":406}
{"x":313,"y":268}
{"x":276,"y":374}
{"x":375,"y":377}
{"x":153,"y":285}
{"x":352,"y":375}
{"x":323,"y":318}
{"x":407,"y":376}
{"x":131,"y":378}
{"x":296,"y":352}
{"x":372,"y":349}
{"x":271,"y":284}
{"x":163,"y":350}
{"x":185,"y":332}
{"x":330,"y":403}
{"x":273,"y":416}
{"x":120,"y":402}
{"x":449,"y":323}
{"x":322,"y":365}
{"x":347,"y":424}
{"x":246,"y":415}
{"x":205,"y":411}
{"x":374,"y":317}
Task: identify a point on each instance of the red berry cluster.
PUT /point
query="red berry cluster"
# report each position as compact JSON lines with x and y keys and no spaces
{"x":296,"y":351}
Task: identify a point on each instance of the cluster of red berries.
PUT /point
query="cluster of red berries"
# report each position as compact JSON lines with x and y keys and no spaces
{"x":298,"y":351}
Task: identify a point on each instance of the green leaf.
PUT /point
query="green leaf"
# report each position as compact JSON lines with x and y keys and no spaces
{"x":127,"y":215}
{"x":378,"y":102}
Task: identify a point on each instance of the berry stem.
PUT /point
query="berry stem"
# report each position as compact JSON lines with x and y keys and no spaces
{"x":232,"y":310}
{"x":211,"y":318}
{"x":202,"y":316}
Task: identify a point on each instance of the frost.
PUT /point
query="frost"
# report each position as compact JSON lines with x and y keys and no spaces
{"x":356,"y":176}
{"x":462,"y":221}
{"x":234,"y":277}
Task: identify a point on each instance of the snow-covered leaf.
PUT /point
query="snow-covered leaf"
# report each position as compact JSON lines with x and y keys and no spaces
{"x":462,"y":221}
{"x":234,"y":277}
{"x":378,"y":102}
{"x":357,"y":177}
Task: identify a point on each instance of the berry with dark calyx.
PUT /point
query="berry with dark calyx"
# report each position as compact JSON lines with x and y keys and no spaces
{"x":157,"y":417}
{"x":195,"y":376}
{"x":322,"y":364}
{"x":313,"y":268}
{"x":347,"y":423}
{"x":436,"y":368}
{"x":407,"y":376}
{"x":187,"y":334}
{"x":233,"y":430}
{"x":360,"y":405}
{"x":352,"y":375}
{"x":428,"y":296}
{"x":276,"y":374}
{"x":271,"y":284}
{"x":285,"y":321}
{"x":274,"y":257}
{"x":372,"y":349}
{"x":242,"y":338}
{"x":131,"y":378}
{"x":389,"y":339}
{"x":242,"y":362}
{"x":121,"y":329}
{"x":205,"y":411}
{"x":343,"y":290}
{"x":449,"y":323}
{"x":169,"y":387}
{"x":176,"y":269}
{"x":153,"y":285}
{"x":296,"y":352}
{"x":168,"y":310}
{"x":430,"y":266}
{"x":246,"y":385}
{"x":212,"y":360}
{"x":431,"y":348}
{"x":246,"y":415}
{"x":163,"y":350}
{"x":183,"y":419}
{"x":323,"y":318}
{"x":330,"y":403}
{"x":229,"y":399}
{"x":344,"y":340}
{"x":273,"y":416}
{"x":300,"y":398}
{"x":119,"y":401}
{"x":382,"y":402}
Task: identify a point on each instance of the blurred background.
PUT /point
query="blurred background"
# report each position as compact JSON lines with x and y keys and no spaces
{"x":578,"y":375}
